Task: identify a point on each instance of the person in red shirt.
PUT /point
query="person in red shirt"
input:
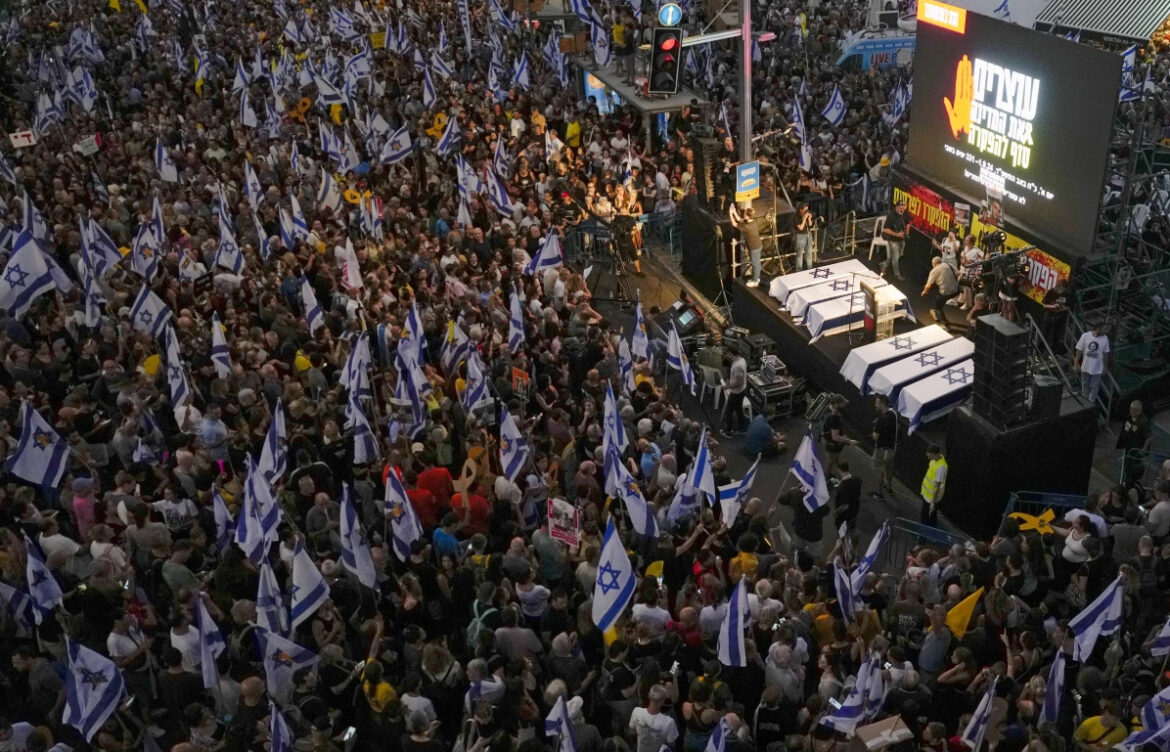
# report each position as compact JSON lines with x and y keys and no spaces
{"x":423,"y":502}
{"x":437,"y":480}
{"x":476,"y":511}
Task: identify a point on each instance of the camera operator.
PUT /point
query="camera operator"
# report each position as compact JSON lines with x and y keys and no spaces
{"x":1009,"y":287}
{"x":802,"y":238}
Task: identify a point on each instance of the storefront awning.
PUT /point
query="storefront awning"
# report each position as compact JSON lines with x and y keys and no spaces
{"x":1130,"y":19}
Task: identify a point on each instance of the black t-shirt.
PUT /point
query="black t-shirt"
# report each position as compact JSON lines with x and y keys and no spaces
{"x":620,"y":678}
{"x":886,"y":428}
{"x":896,"y":222}
{"x":1134,"y":433}
{"x":833,"y":422}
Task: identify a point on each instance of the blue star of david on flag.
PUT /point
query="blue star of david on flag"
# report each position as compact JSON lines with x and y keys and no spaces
{"x":840,"y":285}
{"x":15,"y":276}
{"x":903,"y":343}
{"x":822,"y":273}
{"x":608,"y":579}
{"x":957,"y":376}
{"x":928,"y":359}
{"x":93,"y":678}
{"x":146,"y":317}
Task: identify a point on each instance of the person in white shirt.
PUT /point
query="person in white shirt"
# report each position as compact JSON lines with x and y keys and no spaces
{"x":57,"y":548}
{"x":650,"y":613}
{"x":1091,"y":359}
{"x":653,"y":727}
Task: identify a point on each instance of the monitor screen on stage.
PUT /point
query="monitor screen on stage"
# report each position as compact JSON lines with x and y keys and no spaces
{"x":1014,"y":120}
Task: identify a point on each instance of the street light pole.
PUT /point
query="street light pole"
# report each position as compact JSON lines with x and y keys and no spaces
{"x":745,"y":81}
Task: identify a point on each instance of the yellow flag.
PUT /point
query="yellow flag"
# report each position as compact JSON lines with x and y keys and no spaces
{"x":115,"y":6}
{"x":142,"y":7}
{"x":335,"y":113}
{"x":959,"y":617}
{"x":609,"y":636}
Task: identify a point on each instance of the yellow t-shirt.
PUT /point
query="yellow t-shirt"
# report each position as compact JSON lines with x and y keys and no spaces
{"x":1092,"y":731}
{"x":573,"y":134}
{"x":619,"y":34}
{"x":378,"y":697}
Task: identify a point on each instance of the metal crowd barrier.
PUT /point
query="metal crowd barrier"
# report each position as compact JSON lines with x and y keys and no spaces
{"x":1036,"y":502}
{"x":907,"y":535}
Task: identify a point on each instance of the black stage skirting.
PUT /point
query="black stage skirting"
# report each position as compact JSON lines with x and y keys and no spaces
{"x":820,"y":363}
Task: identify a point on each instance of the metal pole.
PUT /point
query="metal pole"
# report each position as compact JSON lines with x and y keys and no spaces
{"x":745,"y":81}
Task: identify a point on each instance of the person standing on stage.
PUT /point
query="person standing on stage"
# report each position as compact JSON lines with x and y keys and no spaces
{"x":894,"y":232}
{"x":802,"y":238}
{"x":749,"y":227}
{"x":934,"y":485}
{"x":847,"y":501}
{"x":733,"y":391}
{"x":1091,"y":359}
{"x":885,"y":442}
{"x":946,"y":286}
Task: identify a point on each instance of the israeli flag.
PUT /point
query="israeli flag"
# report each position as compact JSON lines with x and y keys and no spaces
{"x":251,"y":535}
{"x":224,"y":524}
{"x":1157,"y":737}
{"x":20,"y":607}
{"x":973,"y":735}
{"x":520,"y":72}
{"x":273,"y":460}
{"x":167,"y":171}
{"x":300,"y":226}
{"x":870,"y":558}
{"x":176,"y":373}
{"x":620,"y":483}
{"x":852,"y":712}
{"x":280,"y":737}
{"x":559,"y":726}
{"x":442,"y":37}
{"x":738,"y":495}
{"x":441,"y":66}
{"x":149,"y":314}
{"x":405,"y":527}
{"x":1100,"y":618}
{"x":717,"y":741}
{"x":355,"y":550}
{"x":41,"y":455}
{"x":313,"y":314}
{"x":449,"y":139}
{"x":355,"y":377}
{"x":455,"y":346}
{"x":211,"y":644}
{"x":498,"y":193}
{"x":1156,"y":712}
{"x":220,"y":355}
{"x":228,"y":255}
{"x":328,"y":94}
{"x":476,"y":390}
{"x":365,"y":444}
{"x":42,"y":586}
{"x":1054,"y":691}
{"x":93,"y":689}
{"x":242,"y":79}
{"x":834,"y":111}
{"x":144,"y":252}
{"x":735,"y":620}
{"x":614,"y":430}
{"x":1161,"y":644}
{"x":261,"y":237}
{"x":1129,"y":60}
{"x":27,"y":276}
{"x":7,"y":173}
{"x":398,"y":146}
{"x":640,"y":340}
{"x":806,"y":466}
{"x":428,"y":96}
{"x":309,"y":589}
{"x":252,"y":188}
{"x":702,"y":476}
{"x":271,"y":612}
{"x":847,"y":598}
{"x":602,"y":50}
{"x":549,"y":255}
{"x":626,"y":366}
{"x":501,"y":162}
{"x":32,"y":220}
{"x":143,"y":453}
{"x":513,"y":448}
{"x":676,"y":358}
{"x":515,"y":324}
{"x":616,"y":581}
{"x":282,"y":659}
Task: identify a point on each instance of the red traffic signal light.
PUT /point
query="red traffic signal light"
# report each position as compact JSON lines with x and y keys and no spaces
{"x":666,"y":63}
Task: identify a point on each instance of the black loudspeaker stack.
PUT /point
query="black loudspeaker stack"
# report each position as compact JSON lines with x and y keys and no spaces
{"x":706,"y":170}
{"x":1001,"y":371}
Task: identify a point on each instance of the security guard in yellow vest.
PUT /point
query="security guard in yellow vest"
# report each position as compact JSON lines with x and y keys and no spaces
{"x":934,"y":484}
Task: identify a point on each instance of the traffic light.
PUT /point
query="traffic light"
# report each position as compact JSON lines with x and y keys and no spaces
{"x":665,"y":61}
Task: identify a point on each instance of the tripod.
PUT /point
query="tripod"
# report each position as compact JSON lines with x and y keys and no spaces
{"x":616,"y":262}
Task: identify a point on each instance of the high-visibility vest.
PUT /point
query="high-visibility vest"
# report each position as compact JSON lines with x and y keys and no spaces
{"x":929,"y":487}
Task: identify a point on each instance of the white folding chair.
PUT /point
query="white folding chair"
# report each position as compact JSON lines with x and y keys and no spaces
{"x":878,"y":241}
{"x":713,"y":380}
{"x":748,"y":412}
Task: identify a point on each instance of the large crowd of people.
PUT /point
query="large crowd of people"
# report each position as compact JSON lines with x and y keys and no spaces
{"x":300,"y":286}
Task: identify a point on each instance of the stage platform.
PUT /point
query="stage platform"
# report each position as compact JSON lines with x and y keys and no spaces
{"x":987,"y":463}
{"x":820,"y":362}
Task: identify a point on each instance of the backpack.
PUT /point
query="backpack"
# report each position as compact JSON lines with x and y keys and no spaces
{"x":605,"y":684}
{"x":477,"y":624}
{"x":1147,"y":579}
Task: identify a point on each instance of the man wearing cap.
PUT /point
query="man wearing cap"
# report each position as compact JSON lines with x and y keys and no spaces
{"x":894,"y":232}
